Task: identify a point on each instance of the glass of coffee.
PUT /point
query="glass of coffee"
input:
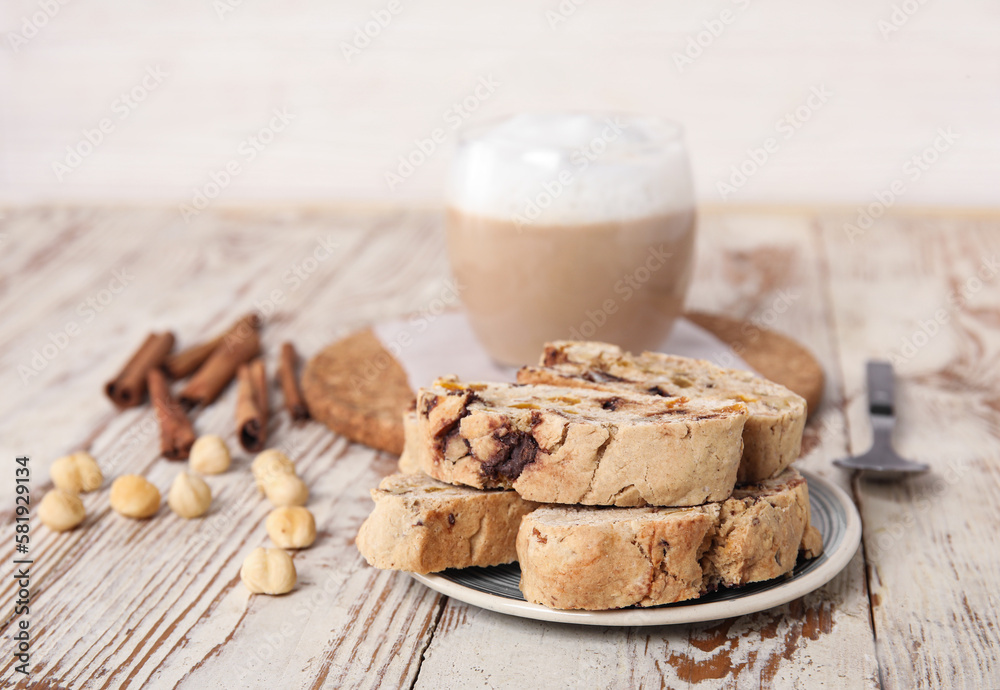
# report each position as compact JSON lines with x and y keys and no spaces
{"x":571,"y":226}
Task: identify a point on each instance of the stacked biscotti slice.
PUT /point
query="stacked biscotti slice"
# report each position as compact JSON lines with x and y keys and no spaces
{"x":772,"y":435}
{"x":611,"y":478}
{"x":422,"y":525}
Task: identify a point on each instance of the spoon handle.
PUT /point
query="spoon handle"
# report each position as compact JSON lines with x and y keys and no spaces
{"x":880,"y":388}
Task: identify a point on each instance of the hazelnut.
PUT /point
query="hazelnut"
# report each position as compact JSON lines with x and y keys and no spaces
{"x":291,"y":527}
{"x":209,"y":455}
{"x":269,"y":464}
{"x":189,"y":495}
{"x":268,"y":571}
{"x":76,"y":473}
{"x":134,"y":497}
{"x":286,"y":490}
{"x":61,"y":510}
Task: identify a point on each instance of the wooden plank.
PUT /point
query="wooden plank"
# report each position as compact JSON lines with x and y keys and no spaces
{"x":763,"y":268}
{"x":120,"y":603}
{"x":930,"y":541}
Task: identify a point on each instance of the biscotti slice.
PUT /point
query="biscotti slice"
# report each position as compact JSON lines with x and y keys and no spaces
{"x":762,"y":529}
{"x":424,"y":526}
{"x":603,"y":558}
{"x":772,"y":435}
{"x":580,"y":446}
{"x":574,"y":557}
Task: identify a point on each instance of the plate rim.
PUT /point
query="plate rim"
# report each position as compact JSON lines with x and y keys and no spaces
{"x":836,"y":561}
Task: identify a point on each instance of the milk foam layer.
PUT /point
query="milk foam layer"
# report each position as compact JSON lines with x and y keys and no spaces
{"x":560,"y":169}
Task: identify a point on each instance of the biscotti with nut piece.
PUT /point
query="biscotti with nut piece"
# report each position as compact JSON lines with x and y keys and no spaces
{"x":579,"y":446}
{"x":422,"y":525}
{"x":772,"y":435}
{"x":574,"y":557}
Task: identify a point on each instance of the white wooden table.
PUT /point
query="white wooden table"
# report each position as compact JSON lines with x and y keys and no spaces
{"x":158,"y":603}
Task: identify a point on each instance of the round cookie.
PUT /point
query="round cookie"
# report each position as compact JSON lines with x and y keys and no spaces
{"x":359,"y":390}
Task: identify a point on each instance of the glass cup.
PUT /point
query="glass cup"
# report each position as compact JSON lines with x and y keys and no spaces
{"x":570,"y":226}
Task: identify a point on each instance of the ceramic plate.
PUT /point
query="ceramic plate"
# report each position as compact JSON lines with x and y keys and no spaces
{"x":833,"y":514}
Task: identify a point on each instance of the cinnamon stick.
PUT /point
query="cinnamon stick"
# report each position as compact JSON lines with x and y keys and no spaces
{"x":187,"y":361}
{"x":237,"y":347}
{"x":294,"y":402}
{"x":176,"y":433}
{"x":128,"y":388}
{"x":258,"y":375}
{"x":252,"y":406}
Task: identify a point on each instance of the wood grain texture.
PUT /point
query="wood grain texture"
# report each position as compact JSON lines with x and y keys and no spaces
{"x":927,"y":296}
{"x":156,"y":604}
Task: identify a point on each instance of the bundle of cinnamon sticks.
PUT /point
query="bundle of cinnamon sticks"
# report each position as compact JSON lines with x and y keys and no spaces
{"x":212,"y":365}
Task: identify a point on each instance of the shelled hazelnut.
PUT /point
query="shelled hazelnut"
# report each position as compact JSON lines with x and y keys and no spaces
{"x":270,"y":464}
{"x":210,"y":455}
{"x":61,"y":510}
{"x":268,"y":571}
{"x":134,"y":496}
{"x":189,"y":495}
{"x":76,"y":473}
{"x":291,"y":527}
{"x":286,"y":490}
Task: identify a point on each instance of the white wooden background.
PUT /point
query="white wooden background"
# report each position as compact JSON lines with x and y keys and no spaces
{"x":158,"y":604}
{"x":227,"y":71}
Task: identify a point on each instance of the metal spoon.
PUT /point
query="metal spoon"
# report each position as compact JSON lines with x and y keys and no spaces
{"x":881,"y":461}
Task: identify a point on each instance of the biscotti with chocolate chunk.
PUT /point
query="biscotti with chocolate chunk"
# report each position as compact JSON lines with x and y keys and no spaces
{"x":579,"y":446}
{"x":574,"y":557}
{"x":422,"y":525}
{"x":772,"y":435}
